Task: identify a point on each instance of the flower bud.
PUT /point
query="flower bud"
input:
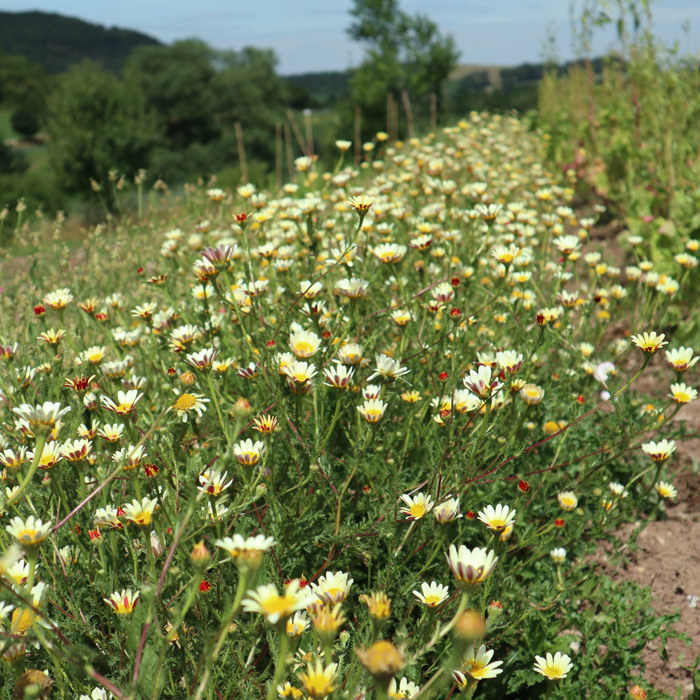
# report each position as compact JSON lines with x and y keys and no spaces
{"x":200,"y":555}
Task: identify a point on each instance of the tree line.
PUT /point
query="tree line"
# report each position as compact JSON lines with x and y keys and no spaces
{"x":186,"y":110}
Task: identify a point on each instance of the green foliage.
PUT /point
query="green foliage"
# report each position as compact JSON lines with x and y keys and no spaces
{"x":97,"y":123}
{"x":403,"y":53}
{"x":198,"y":95}
{"x":632,"y":135}
{"x":199,"y":316}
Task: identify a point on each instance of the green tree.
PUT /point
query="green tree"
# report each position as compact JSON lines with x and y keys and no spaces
{"x":24,"y":88}
{"x":199,"y":94}
{"x":176,"y":82}
{"x":97,"y":123}
{"x":403,"y":52}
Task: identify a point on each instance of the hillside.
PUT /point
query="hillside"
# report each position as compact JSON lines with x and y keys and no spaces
{"x":56,"y":42}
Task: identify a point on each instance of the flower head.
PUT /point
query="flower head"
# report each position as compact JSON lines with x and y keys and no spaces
{"x":42,"y":417}
{"x":361,"y":203}
{"x":338,"y":376}
{"x":30,"y":532}
{"x":332,"y":587}
{"x":213,"y":482}
{"x":682,"y":393}
{"x":681,"y":359}
{"x":649,"y":342}
{"x":659,"y":451}
{"x":447,"y":511}
{"x":304,"y":344}
{"x":58,"y":299}
{"x":666,"y":490}
{"x":297,"y":625}
{"x":477,"y":664}
{"x":404,"y":691}
{"x":388,"y":369}
{"x":126,"y":402}
{"x":558,"y":555}
{"x":300,"y":373}
{"x":319,"y":681}
{"x":417,"y":506}
{"x":498,"y":518}
{"x":189,"y":403}
{"x":246,"y":553}
{"x":471,"y":566}
{"x":123,"y":603}
{"x":481,"y":383}
{"x":140,"y":513}
{"x":432,"y":594}
{"x":383,"y":659}
{"x":249,"y":453}
{"x":373,"y":410}
{"x":567,"y":500}
{"x":553,"y":667}
{"x":275,"y":607}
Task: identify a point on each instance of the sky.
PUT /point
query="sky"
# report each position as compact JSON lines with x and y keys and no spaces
{"x":310,"y":35}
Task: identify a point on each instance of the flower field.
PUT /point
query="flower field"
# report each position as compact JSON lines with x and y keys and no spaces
{"x":358,"y":438}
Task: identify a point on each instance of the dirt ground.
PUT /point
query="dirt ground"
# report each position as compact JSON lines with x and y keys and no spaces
{"x":668,"y":561}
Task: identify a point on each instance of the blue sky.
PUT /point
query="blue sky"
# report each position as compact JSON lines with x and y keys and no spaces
{"x":309,"y":35}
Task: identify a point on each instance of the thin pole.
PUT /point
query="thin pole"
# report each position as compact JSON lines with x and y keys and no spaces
{"x":241,"y":152}
{"x":290,"y":155}
{"x":297,"y":132}
{"x":309,"y":132}
{"x":408,"y":110}
{"x":278,"y":154}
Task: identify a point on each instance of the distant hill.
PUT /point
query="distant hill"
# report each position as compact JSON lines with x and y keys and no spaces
{"x":57,"y":42}
{"x":492,"y":73}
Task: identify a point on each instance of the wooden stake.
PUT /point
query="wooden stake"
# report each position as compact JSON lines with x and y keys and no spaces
{"x":309,"y":132}
{"x":278,"y":154}
{"x":297,"y":132}
{"x":408,"y":110}
{"x":396,"y":120}
{"x":241,"y":152}
{"x":389,"y":113}
{"x":290,"y":154}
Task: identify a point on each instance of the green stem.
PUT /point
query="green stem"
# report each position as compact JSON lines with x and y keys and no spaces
{"x":38,"y":450}
{"x":281,"y":664}
{"x":215,"y":398}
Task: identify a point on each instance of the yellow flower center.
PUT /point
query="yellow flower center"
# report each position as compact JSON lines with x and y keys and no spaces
{"x":477,"y":671}
{"x":22,"y":621}
{"x":142,"y":518}
{"x":417,"y":510}
{"x":185,"y":402}
{"x":29,"y":537}
{"x":304,"y":349}
{"x":432,"y":600}
{"x":332,"y":593}
{"x":95,"y":357}
{"x":278,"y":604}
{"x":318,"y":686}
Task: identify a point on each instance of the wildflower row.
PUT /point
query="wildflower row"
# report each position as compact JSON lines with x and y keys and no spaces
{"x":351,"y":440}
